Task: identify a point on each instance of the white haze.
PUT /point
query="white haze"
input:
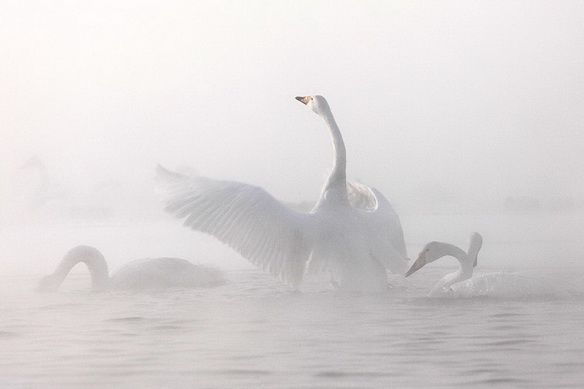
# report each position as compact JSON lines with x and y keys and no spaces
{"x":468,"y":115}
{"x":449,"y":106}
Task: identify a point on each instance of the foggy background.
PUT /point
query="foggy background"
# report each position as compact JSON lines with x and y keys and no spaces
{"x":467,"y":115}
{"x":446,"y":107}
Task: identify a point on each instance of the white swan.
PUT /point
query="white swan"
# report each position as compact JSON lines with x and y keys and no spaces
{"x":355,"y":244}
{"x":467,"y":260}
{"x":141,"y":274}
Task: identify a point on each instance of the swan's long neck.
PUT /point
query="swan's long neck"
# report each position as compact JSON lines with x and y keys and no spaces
{"x":338,"y":176}
{"x":476,"y":242}
{"x":466,"y":261}
{"x":92,"y":258}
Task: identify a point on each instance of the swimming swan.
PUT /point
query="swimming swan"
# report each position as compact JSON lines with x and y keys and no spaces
{"x":352,"y":231}
{"x":435,"y":250}
{"x":141,"y":274}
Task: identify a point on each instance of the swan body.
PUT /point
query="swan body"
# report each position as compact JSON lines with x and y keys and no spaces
{"x":141,"y":274}
{"x":352,"y":231}
{"x":436,"y":250}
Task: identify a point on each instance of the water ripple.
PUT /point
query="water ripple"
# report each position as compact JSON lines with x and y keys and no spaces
{"x":254,"y":332}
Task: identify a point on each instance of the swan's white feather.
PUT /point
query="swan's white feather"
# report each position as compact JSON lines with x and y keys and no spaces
{"x":246,"y":218}
{"x":383,"y":215}
{"x":361,"y":196}
{"x":351,"y":232}
{"x":389,"y":224}
{"x":140,"y":274}
{"x":467,"y":261}
{"x":164,"y":273}
{"x":388,"y":245}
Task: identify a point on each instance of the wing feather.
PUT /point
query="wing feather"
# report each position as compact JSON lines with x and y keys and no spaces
{"x":384,"y":225}
{"x":245,"y":217}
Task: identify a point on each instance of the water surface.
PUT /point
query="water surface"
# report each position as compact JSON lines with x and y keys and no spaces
{"x":523,"y":329}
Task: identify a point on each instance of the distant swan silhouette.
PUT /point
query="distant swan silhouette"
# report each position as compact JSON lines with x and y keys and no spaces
{"x":44,"y":191}
{"x":141,"y":274}
{"x":49,"y":198}
{"x":467,"y":260}
{"x":352,"y":231}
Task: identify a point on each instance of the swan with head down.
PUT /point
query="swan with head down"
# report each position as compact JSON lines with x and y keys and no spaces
{"x":466,"y":283}
{"x":356,"y":243}
{"x":436,"y":250}
{"x":140,"y":274}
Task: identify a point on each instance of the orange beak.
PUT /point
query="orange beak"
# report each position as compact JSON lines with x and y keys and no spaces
{"x":303,"y":99}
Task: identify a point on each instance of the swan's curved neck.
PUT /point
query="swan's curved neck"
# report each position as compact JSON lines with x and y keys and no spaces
{"x":338,"y":176}
{"x":447,"y":249}
{"x":473,"y":251}
{"x":92,"y":258}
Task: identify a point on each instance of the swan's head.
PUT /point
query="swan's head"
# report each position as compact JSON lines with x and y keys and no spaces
{"x":476,"y":242}
{"x":434,"y":250}
{"x":316,"y":103}
{"x":431,"y":252}
{"x":48,"y":283}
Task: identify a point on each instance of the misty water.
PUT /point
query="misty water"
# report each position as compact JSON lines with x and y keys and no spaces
{"x":518,"y":325}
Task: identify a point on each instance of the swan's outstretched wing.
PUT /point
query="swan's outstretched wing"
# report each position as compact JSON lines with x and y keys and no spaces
{"x":245,"y":217}
{"x":384,"y":224}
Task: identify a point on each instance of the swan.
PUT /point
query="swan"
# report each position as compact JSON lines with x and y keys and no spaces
{"x":140,"y":274}
{"x":467,"y":260}
{"x":352,"y":231}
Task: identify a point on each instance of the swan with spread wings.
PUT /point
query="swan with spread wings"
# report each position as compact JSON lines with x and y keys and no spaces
{"x":352,"y":231}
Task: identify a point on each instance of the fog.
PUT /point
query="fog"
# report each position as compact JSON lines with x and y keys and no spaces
{"x":467,"y":115}
{"x":469,"y":101}
{"x":447,"y":108}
